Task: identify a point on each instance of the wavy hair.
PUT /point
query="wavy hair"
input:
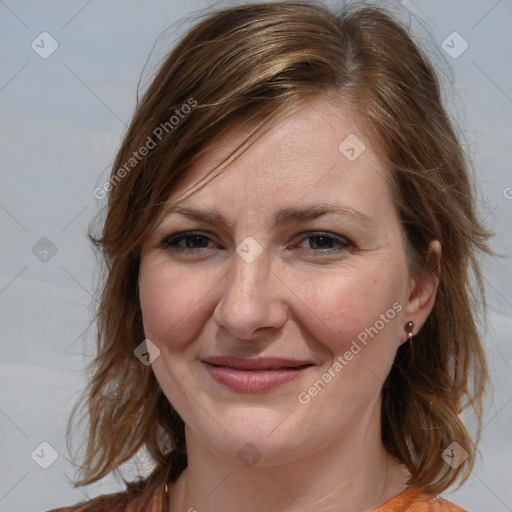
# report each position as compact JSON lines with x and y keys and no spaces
{"x":250,"y":66}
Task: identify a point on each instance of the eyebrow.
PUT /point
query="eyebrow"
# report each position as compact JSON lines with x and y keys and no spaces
{"x":284,"y":216}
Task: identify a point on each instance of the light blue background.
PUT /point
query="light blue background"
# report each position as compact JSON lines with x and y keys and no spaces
{"x":62,"y":120}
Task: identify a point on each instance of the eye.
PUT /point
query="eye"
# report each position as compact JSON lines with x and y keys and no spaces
{"x":188,"y":242}
{"x":324,"y":242}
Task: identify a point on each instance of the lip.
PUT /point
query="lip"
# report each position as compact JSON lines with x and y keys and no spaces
{"x":254,"y":375}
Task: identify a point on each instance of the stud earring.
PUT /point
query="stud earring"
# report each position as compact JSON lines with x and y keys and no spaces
{"x":409,"y":327}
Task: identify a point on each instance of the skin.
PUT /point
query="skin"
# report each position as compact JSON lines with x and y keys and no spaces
{"x":303,"y":297}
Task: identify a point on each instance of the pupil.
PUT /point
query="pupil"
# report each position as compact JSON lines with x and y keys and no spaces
{"x":321,"y":241}
{"x":195,"y":241}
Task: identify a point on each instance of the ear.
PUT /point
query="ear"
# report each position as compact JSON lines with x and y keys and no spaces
{"x":423,"y":291}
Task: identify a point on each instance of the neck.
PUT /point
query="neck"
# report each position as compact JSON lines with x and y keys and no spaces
{"x":354,"y":472}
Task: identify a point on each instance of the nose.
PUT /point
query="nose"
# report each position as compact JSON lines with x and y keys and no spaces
{"x":252,"y":299}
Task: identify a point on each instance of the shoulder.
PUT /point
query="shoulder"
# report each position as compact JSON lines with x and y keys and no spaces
{"x":106,"y":502}
{"x":117,"y":502}
{"x":442,"y":505}
{"x":148,"y":494}
{"x":414,"y":500}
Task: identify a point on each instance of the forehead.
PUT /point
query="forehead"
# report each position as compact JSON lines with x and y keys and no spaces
{"x":319,"y":150}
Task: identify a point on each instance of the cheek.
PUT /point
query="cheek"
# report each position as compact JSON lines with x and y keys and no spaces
{"x":352,"y":306}
{"x":172,"y":304}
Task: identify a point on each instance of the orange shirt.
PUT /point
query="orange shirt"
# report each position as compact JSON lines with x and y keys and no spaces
{"x":410,"y":500}
{"x":414,"y":500}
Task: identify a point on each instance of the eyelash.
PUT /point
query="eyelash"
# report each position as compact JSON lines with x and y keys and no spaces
{"x":171,"y":243}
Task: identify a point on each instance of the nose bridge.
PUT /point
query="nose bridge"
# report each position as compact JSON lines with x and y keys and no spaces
{"x":249,"y":299}
{"x":249,"y":276}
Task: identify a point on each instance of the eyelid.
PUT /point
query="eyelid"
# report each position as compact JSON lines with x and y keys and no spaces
{"x":328,"y":234}
{"x":165,"y":242}
{"x":344,"y":243}
{"x":341,"y":243}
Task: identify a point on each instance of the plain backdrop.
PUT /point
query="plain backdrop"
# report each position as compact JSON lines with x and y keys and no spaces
{"x":69,"y":72}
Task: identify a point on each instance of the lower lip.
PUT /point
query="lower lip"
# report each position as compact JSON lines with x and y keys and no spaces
{"x":253,"y":381}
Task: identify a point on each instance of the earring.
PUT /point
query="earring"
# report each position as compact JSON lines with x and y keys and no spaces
{"x":409,"y":327}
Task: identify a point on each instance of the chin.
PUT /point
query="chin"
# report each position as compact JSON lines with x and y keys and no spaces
{"x":261,"y":436}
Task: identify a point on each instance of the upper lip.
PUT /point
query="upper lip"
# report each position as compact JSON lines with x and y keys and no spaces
{"x":260,"y":363}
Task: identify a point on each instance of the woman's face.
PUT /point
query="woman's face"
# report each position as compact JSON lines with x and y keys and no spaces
{"x":277,"y":294}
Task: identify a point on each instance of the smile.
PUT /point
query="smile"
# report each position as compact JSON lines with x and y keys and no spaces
{"x":254,"y":375}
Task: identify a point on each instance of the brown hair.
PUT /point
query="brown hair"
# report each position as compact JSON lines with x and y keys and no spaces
{"x":250,"y":66}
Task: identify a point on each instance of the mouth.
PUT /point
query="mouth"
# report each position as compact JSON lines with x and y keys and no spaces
{"x":254,"y":375}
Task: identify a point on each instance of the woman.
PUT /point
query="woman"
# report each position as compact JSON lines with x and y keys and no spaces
{"x":287,"y":320}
